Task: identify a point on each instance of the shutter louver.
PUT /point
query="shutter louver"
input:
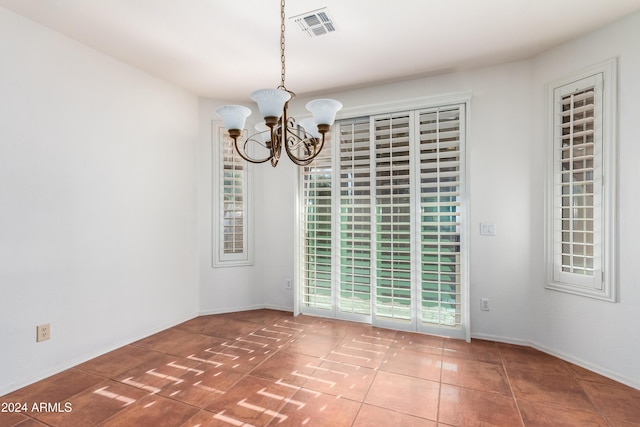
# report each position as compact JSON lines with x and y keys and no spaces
{"x":317,"y":229}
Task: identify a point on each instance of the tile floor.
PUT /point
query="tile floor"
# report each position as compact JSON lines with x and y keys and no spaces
{"x":268,"y":368}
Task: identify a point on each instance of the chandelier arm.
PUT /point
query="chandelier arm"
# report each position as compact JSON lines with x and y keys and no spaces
{"x":294,"y":141}
{"x":276,"y":144}
{"x":240,"y":152}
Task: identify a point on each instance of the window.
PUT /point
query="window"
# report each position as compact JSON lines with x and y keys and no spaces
{"x":581,"y":224}
{"x":383,"y":220}
{"x":231,"y":179}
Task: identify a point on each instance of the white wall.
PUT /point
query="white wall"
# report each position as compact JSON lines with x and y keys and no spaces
{"x":597,"y":334}
{"x":97,"y":202}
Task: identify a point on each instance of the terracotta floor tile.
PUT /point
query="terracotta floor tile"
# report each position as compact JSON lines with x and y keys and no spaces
{"x":196,"y":345}
{"x":152,"y":410}
{"x":233,"y":329}
{"x":241,"y":354}
{"x":341,"y":379}
{"x":549,"y":388}
{"x":252,"y":400}
{"x":210,"y":419}
{"x":30,"y":422}
{"x":374,"y":335}
{"x":484,"y":351}
{"x":373,"y":416}
{"x":117,"y":361}
{"x":161,"y":371}
{"x":583,"y":374}
{"x":301,"y":320}
{"x":412,"y":396}
{"x":356,"y":351}
{"x":464,"y":407}
{"x":476,"y":375}
{"x":542,"y":415}
{"x":616,"y":402}
{"x":292,"y":368}
{"x":205,"y":325}
{"x":618,"y":423}
{"x":289,"y":326}
{"x":418,"y":342}
{"x":201,"y":386}
{"x":57,"y":388}
{"x":416,"y":364}
{"x":269,"y":336}
{"x":527,"y":358}
{"x":166,"y":341}
{"x":261,"y":316}
{"x":337,"y":328}
{"x":308,"y":408}
{"x":312,"y":345}
{"x":94,"y":405}
{"x":276,"y":334}
{"x":12,"y":417}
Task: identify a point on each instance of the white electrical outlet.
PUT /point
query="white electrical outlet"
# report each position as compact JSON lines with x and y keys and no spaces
{"x":289,"y":284}
{"x":485,"y":304}
{"x":43,"y":332}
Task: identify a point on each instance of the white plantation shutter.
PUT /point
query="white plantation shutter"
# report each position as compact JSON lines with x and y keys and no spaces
{"x":393,"y":216}
{"x":355,"y":217}
{"x":397,"y":222}
{"x":441,"y":182}
{"x":233,"y":189}
{"x":232,"y":243}
{"x":581,"y":223}
{"x":578,"y":186}
{"x":317,"y":233}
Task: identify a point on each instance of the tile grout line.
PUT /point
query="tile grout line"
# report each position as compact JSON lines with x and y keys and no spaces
{"x":513,"y":395}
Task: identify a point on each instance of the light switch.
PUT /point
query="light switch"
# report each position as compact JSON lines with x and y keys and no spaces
{"x":487,"y":229}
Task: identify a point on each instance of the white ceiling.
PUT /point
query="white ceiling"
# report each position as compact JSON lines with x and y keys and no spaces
{"x":225,"y":49}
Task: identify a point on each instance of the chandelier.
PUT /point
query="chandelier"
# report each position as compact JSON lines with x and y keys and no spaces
{"x":302,"y":142}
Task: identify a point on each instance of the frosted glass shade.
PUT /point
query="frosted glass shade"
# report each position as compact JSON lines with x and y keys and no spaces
{"x":310,"y":126}
{"x":234,"y":116}
{"x":271,"y":101}
{"x":324,"y":110}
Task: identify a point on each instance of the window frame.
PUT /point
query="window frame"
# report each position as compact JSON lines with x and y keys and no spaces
{"x":220,"y":138}
{"x":603,"y":77}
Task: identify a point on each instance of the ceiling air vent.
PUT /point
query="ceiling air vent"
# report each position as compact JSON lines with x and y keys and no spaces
{"x":315,"y":23}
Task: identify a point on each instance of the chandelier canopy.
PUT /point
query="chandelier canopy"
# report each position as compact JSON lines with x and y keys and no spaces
{"x":302,"y":142}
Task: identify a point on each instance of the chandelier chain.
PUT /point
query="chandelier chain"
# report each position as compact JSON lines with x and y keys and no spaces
{"x":282,"y":62}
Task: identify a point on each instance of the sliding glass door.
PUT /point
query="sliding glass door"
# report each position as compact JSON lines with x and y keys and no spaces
{"x":382,"y":220}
